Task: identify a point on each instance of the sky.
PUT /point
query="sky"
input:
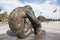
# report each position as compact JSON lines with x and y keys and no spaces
{"x":40,"y":7}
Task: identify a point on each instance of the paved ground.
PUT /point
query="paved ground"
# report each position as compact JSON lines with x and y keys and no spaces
{"x":52,"y":32}
{"x":48,"y":36}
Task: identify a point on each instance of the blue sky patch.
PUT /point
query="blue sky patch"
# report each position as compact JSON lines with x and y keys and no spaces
{"x":58,"y":2}
{"x":30,"y":1}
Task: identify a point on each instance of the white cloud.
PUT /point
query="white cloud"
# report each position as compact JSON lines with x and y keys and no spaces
{"x":9,"y":5}
{"x":51,"y":1}
{"x":46,"y":8}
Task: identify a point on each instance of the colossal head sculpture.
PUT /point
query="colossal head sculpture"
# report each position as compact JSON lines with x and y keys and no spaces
{"x":18,"y":21}
{"x":21,"y":20}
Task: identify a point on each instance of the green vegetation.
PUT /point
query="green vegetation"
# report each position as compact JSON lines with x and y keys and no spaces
{"x":42,"y":18}
{"x":3,"y":15}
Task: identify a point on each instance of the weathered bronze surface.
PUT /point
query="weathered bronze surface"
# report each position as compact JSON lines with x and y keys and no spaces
{"x":22,"y":19}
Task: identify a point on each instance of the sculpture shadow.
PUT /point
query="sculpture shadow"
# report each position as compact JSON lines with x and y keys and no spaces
{"x":10,"y":33}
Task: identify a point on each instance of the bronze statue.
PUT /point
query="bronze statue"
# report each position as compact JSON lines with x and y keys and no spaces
{"x":22,"y":20}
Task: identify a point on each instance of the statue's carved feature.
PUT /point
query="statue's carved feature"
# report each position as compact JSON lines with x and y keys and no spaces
{"x":22,"y":20}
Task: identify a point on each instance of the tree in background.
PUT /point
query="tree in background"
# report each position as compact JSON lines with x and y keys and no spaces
{"x":3,"y":16}
{"x":0,"y":9}
{"x":42,"y":18}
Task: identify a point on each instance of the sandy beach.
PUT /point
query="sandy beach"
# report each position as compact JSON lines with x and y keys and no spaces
{"x":47,"y":26}
{"x":53,"y":27}
{"x":4,"y":28}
